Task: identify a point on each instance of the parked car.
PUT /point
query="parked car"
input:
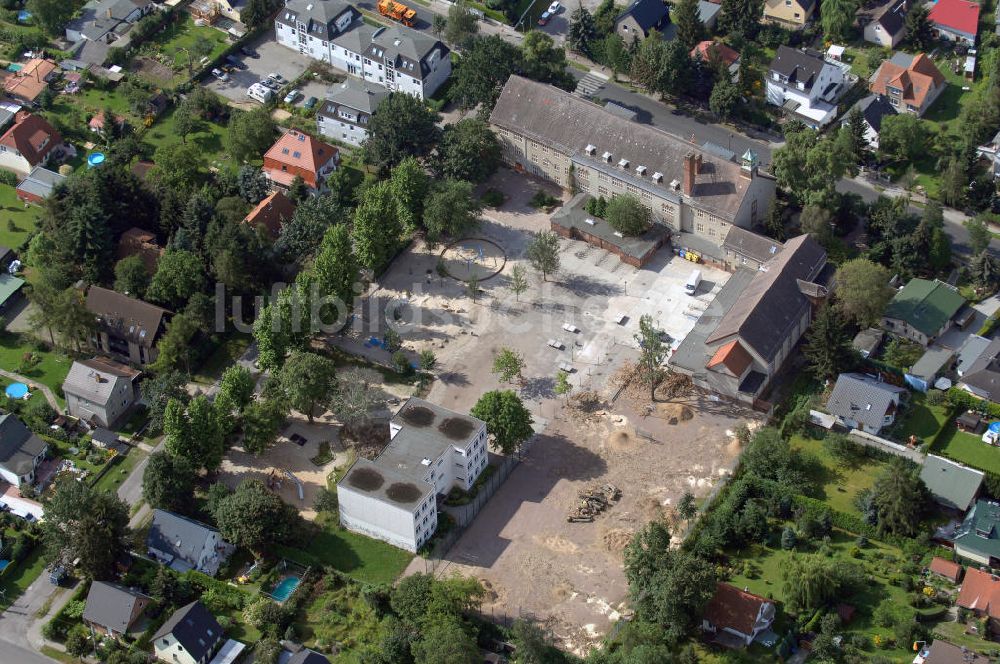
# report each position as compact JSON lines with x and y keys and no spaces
{"x":544,"y":18}
{"x":292,"y":96}
{"x":278,"y":78}
{"x":249,"y":52}
{"x":270,"y":83}
{"x":221,"y":75}
{"x":310,"y":103}
{"x":554,"y":8}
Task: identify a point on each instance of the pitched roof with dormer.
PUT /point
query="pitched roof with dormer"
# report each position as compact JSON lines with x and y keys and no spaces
{"x":32,"y":137}
{"x":915,"y":75}
{"x":300,"y":150}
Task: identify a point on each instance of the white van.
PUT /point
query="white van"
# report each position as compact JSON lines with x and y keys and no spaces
{"x":260,"y":92}
{"x":692,"y":283}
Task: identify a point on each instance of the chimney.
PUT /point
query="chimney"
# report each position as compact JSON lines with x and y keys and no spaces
{"x":109,"y":12}
{"x":690,"y":172}
{"x":697,"y":163}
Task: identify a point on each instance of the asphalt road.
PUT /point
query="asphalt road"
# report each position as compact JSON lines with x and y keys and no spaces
{"x":18,"y":655}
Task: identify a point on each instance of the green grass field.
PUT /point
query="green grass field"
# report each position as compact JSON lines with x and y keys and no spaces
{"x":837,"y":484}
{"x":182,"y":35}
{"x":362,"y":558}
{"x":922,"y":420}
{"x":113,"y":479}
{"x":71,"y":113}
{"x":51,"y":371}
{"x":969,"y":449}
{"x":17,"y":221}
{"x":17,"y":578}
{"x":210,"y":138}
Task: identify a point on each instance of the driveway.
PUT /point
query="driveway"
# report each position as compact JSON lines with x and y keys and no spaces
{"x":272,"y":58}
{"x":20,"y":631}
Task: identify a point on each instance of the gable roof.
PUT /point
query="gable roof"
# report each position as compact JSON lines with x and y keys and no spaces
{"x":110,"y":605}
{"x":354,"y":93}
{"x":863,"y":399}
{"x":709,"y":48}
{"x":319,"y":16}
{"x":735,"y":609}
{"x":978,"y":531}
{"x":40,"y":182}
{"x":915,"y":75}
{"x":770,"y":306}
{"x":272,"y":213}
{"x":131,"y":318}
{"x":892,"y":16}
{"x":753,"y":245}
{"x":195,"y":629}
{"x":946,"y":568}
{"x":296,"y":148}
{"x":647,"y":13}
{"x":406,"y":48}
{"x":971,"y":350}
{"x":925,"y":305}
{"x":958,"y":15}
{"x":800,"y":66}
{"x":93,"y":382}
{"x":874,"y":108}
{"x":980,"y":592}
{"x":19,"y":446}
{"x":733,"y":356}
{"x":306,"y":656}
{"x":32,"y":136}
{"x":983,"y":374}
{"x":178,"y":535}
{"x":951,"y":483}
{"x":30,"y":80}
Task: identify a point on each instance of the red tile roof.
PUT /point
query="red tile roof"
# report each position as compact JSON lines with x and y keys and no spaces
{"x":29,"y":82}
{"x":946,"y":568}
{"x":300,"y":150}
{"x":31,"y":136}
{"x":959,"y":15}
{"x":733,"y":356}
{"x":734,"y":608}
{"x":916,"y":81}
{"x":708,"y":48}
{"x":271,"y":213}
{"x":980,"y":592}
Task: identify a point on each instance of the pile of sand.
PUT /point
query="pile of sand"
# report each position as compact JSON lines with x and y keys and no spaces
{"x":622,"y":440}
{"x":616,"y":539}
{"x":675,"y":412}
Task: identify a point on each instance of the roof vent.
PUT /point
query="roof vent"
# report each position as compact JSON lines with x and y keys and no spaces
{"x":617,"y":234}
{"x":426,"y":461}
{"x":590,"y":149}
{"x":623,"y":163}
{"x":658,"y":176}
{"x":674,"y":184}
{"x":641,"y":170}
{"x":589,"y":222}
{"x":606,"y":157}
{"x":309,"y":7}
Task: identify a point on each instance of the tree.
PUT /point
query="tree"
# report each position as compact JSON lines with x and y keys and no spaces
{"x":742,"y":16}
{"x":828,"y":347}
{"x":462,"y":25}
{"x":131,"y":277}
{"x":469,"y":150}
{"x":690,"y":29}
{"x":954,"y":181}
{"x":410,"y":184}
{"x":788,"y":538}
{"x":262,"y":420}
{"x":257,"y":12}
{"x":725,"y":99}
{"x":627,"y":215}
{"x":811,"y":580}
{"x":615,"y":53}
{"x":335,"y":268}
{"x":428,"y":360}
{"x":563,"y":385}
{"x":903,"y":137}
{"x":308,"y":380}
{"x":979,"y":234}
{"x":533,"y":644}
{"x":158,"y":390}
{"x":253,"y":517}
{"x":193,"y":433}
{"x":403,"y":127}
{"x":179,"y":166}
{"x":809,"y":166}
{"x":856,"y":129}
{"x":446,"y":641}
{"x":451,"y":210}
{"x":863,"y":291}
{"x":485,"y":66}
{"x":543,"y":253}
{"x":582,"y":30}
{"x":668,"y":587}
{"x":652,"y":353}
{"x":508,"y":365}
{"x":919,"y":31}
{"x":250,"y":134}
{"x":358,"y":392}
{"x":543,"y":61}
{"x":984,"y":270}
{"x":86,"y":524}
{"x":253,"y":184}
{"x":687,"y":506}
{"x":900,"y":499}
{"x":508,"y":422}
{"x":377,"y":230}
{"x":185,"y":121}
{"x":298,"y":190}
{"x":175,"y":350}
{"x":647,"y":62}
{"x":300,"y":237}
{"x":168,"y":482}
{"x":52,"y":15}
{"x":439,"y":24}
{"x":818,"y":222}
{"x":518,"y":281}
{"x":179,"y":275}
{"x":837,"y":18}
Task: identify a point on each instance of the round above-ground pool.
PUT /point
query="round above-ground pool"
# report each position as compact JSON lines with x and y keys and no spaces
{"x":16,"y":390}
{"x":95,"y":159}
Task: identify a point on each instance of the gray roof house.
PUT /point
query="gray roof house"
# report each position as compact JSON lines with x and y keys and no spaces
{"x":20,"y":451}
{"x":874,"y":109}
{"x":641,"y":18}
{"x":982,"y":377}
{"x":191,"y":634}
{"x":100,"y":20}
{"x":113,"y":609}
{"x":744,"y":248}
{"x":347,"y":109}
{"x":307,"y":656}
{"x":39,"y":184}
{"x":886,"y":25}
{"x":970,"y":351}
{"x":953,"y":485}
{"x":864,"y":403}
{"x":100,"y":391}
{"x":184,"y":543}
{"x":321,"y":19}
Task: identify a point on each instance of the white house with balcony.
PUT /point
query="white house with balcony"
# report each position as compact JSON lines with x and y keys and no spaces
{"x":347,"y":109}
{"x":806,"y":85}
{"x":394,"y":498}
{"x":309,"y":26}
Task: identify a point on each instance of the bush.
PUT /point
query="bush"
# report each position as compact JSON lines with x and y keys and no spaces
{"x":492,"y":198}
{"x":541,"y":200}
{"x":936,"y":398}
{"x":788,"y":538}
{"x":627,"y":215}
{"x":8,"y":178}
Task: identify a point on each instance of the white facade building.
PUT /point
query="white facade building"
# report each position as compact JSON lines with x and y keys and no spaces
{"x":805,"y":84}
{"x":394,"y":498}
{"x":347,"y":109}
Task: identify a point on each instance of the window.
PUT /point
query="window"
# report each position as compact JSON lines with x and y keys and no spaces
{"x":700,"y":227}
{"x":797,"y":15}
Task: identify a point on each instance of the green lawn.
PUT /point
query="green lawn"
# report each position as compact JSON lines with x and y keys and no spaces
{"x":50,"y":371}
{"x":922,"y":420}
{"x":365,"y":559}
{"x":210,"y":138}
{"x":186,"y":35}
{"x":71,"y":113}
{"x":17,"y":220}
{"x":16,"y":579}
{"x":969,"y":449}
{"x":954,"y":632}
{"x":113,"y":479}
{"x":230,"y":350}
{"x":836,"y":483}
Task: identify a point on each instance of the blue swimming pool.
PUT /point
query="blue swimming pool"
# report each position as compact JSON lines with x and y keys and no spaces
{"x":285,"y":588}
{"x":16,"y":390}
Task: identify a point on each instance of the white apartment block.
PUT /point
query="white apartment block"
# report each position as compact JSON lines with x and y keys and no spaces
{"x":806,"y":85}
{"x":347,"y":109}
{"x":396,"y":58}
{"x":394,"y":498}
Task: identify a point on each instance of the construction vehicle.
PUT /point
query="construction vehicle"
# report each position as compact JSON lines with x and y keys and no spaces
{"x":397,"y":12}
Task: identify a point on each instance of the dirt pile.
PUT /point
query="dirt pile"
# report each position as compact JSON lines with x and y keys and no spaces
{"x":616,"y":539}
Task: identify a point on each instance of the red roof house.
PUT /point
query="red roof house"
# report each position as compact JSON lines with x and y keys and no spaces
{"x":271,"y":213}
{"x":300,"y":154}
{"x":946,"y":568}
{"x":27,"y":143}
{"x":709,"y":49}
{"x":27,"y":83}
{"x":980,"y":593}
{"x":736,"y":616}
{"x":911,"y":83}
{"x":956,"y":20}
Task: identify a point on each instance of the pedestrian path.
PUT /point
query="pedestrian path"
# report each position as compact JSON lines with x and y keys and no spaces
{"x":589,"y":84}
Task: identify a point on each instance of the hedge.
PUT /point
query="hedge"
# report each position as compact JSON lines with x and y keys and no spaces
{"x":966,"y":401}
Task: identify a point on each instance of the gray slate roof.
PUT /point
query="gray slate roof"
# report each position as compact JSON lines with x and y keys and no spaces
{"x":746,"y":243}
{"x":178,"y":535}
{"x":969,"y":352}
{"x":868,"y":340}
{"x":306,"y":656}
{"x":649,"y":14}
{"x":798,"y":66}
{"x":110,"y":605}
{"x":951,"y":483}
{"x":405,"y":47}
{"x":931,"y":364}
{"x":353,"y":93}
{"x":195,"y":629}
{"x":91,"y":384}
{"x":863,"y":399}
{"x":772,"y":304}
{"x":873,"y":109}
{"x":319,"y":16}
{"x":41,"y":181}
{"x":18,"y":445}
{"x":984,"y":373}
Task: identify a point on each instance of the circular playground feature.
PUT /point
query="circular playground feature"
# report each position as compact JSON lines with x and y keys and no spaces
{"x":473,"y":258}
{"x":95,"y":159}
{"x":16,"y":390}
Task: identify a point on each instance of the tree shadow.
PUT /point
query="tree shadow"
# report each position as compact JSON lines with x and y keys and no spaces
{"x":582,"y":285}
{"x":540,"y":387}
{"x":456,"y":378}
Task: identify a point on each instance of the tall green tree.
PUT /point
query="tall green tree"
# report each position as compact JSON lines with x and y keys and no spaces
{"x":828,"y":347}
{"x":158,"y":390}
{"x":856,"y":129}
{"x":377,"y":230}
{"x":179,"y":275}
{"x":809,"y":166}
{"x":131,"y":277}
{"x":174,"y":351}
{"x":335,"y":268}
{"x":250,"y":134}
{"x":627,"y":215}
{"x":837,"y":18}
{"x":193,"y":433}
{"x":508,"y":365}
{"x":903,"y":137}
{"x":979,"y":234}
{"x":257,"y":12}
{"x":508,"y":422}
{"x":469,"y":150}
{"x":308,"y":381}
{"x":984,"y":270}
{"x":742,"y":16}
{"x":690,"y":29}
{"x":646,"y":66}
{"x":544,"y":61}
{"x":446,"y":641}
{"x":482,"y":72}
{"x":652,"y":353}
{"x":543,"y":253}
{"x":168,"y":482}
{"x":725,"y":99}
{"x":451,"y":210}
{"x":582,"y":30}
{"x":863,"y":291}
{"x":462,"y":25}
{"x":300,"y":237}
{"x":179,"y":166}
{"x":254,"y":517}
{"x":410,"y":184}
{"x":403,"y":127}
{"x":900,"y":499}
{"x":52,"y":15}
{"x":919,"y":31}
{"x":85,"y":525}
{"x":518,"y":281}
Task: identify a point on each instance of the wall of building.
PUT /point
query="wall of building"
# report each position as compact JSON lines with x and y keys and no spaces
{"x":381,"y":520}
{"x":341,"y":130}
{"x":971,"y":555}
{"x":167,"y":649}
{"x":787,"y":13}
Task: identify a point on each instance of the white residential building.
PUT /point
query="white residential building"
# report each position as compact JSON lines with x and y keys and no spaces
{"x":806,"y":85}
{"x":394,"y":498}
{"x":396,"y":58}
{"x":348,"y":107}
